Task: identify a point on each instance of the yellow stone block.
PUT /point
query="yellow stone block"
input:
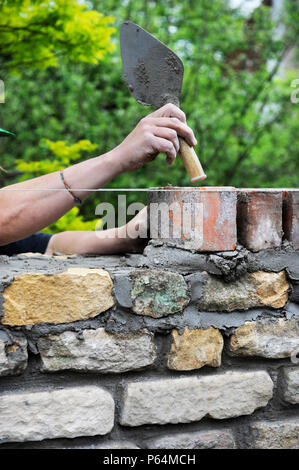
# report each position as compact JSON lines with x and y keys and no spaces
{"x":272,"y":288}
{"x":195,"y":349}
{"x":75,"y":294}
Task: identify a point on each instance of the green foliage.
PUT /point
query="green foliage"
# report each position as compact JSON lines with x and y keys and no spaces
{"x":35,"y":33}
{"x":236,"y":103}
{"x":64,"y":154}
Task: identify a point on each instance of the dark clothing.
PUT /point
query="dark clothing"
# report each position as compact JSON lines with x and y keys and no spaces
{"x":36,"y":243}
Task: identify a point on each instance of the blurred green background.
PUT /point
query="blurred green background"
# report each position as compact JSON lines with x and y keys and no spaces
{"x":66,"y":99}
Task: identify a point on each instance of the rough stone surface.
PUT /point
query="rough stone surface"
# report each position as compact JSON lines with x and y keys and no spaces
{"x":97,"y":351}
{"x":122,"y":289}
{"x":259,"y":218}
{"x":117,"y":445}
{"x":188,"y":399}
{"x":71,"y":412}
{"x":227,"y":266}
{"x":271,"y":339}
{"x":196,"y":282}
{"x":195,"y":349}
{"x":275,"y":435}
{"x":109,"y":445}
{"x":276,"y":260}
{"x":291,"y":216}
{"x":231,"y":264}
{"x":158,"y":293}
{"x":75,"y":294}
{"x":294,"y":297}
{"x":194,"y":440}
{"x":13,"y":356}
{"x":290,"y":386}
{"x":252,"y":290}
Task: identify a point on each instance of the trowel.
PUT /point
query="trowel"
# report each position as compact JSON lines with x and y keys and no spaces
{"x":154,"y":75}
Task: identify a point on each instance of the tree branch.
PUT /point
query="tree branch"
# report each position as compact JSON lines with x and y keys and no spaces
{"x":249,"y":101}
{"x":243,"y":155}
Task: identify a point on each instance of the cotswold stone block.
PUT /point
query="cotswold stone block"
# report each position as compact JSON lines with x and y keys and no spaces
{"x":290,"y":214}
{"x":188,"y":399}
{"x":75,"y":294}
{"x":259,"y":218}
{"x":158,"y":293}
{"x":97,"y":351}
{"x":71,"y":412}
{"x":13,"y":356}
{"x":271,"y":339}
{"x":194,"y":440}
{"x":252,"y":290}
{"x":195,"y":349}
{"x":290,"y":387}
{"x":275,"y":435}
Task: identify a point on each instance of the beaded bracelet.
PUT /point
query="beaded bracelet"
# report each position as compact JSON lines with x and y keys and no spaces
{"x":76,"y":199}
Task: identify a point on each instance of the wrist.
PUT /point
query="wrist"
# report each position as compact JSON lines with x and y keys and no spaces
{"x":115,"y":160}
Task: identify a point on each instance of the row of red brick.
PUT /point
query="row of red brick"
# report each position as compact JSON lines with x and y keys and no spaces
{"x":257,"y":218}
{"x":267,"y":216}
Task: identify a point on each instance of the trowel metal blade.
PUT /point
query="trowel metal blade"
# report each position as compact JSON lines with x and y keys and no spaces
{"x":152,"y":71}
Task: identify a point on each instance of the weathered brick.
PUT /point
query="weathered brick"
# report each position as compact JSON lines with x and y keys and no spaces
{"x":290,"y":384}
{"x":188,"y":399}
{"x":275,"y":435}
{"x":195,"y":349}
{"x":13,"y":354}
{"x":97,"y":351}
{"x":75,"y":294}
{"x":201,"y":219}
{"x":158,"y":293}
{"x":70,"y":412}
{"x":290,"y":216}
{"x":272,"y":339}
{"x":259,"y":218}
{"x":251,"y":290}
{"x":213,"y":439}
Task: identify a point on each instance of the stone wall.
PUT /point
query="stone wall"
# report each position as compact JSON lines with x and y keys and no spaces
{"x":172,"y":348}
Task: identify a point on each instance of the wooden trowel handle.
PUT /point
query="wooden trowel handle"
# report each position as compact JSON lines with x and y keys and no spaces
{"x":191,"y":162}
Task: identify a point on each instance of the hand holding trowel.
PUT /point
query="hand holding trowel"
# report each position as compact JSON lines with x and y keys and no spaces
{"x":154,"y":76}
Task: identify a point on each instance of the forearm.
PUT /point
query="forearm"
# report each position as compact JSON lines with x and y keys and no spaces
{"x":29,"y":206}
{"x":101,"y":242}
{"x":129,"y":238}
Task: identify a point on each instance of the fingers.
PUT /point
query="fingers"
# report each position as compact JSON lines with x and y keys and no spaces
{"x":173,"y":123}
{"x":169,"y":134}
{"x":170,"y":110}
{"x":167,"y":147}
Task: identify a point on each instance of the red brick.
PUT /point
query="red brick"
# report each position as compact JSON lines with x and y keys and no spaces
{"x":259,"y":218}
{"x":290,"y":216}
{"x":212,"y":211}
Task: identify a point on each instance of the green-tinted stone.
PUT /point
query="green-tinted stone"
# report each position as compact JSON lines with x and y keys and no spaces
{"x":158,"y":293}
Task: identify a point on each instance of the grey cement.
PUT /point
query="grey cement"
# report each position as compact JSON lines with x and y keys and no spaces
{"x":228,"y":265}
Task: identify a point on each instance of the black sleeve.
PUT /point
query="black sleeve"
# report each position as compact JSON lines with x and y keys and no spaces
{"x":36,"y":243}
